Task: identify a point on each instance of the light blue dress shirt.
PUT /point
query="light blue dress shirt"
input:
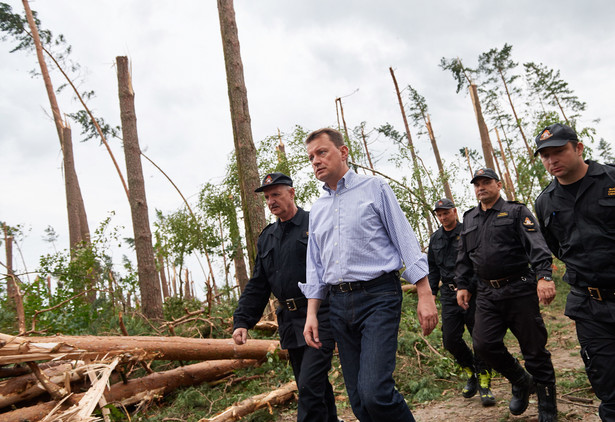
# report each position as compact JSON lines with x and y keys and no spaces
{"x":357,"y":233}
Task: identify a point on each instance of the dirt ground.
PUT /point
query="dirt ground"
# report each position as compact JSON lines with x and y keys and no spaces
{"x":566,"y":359}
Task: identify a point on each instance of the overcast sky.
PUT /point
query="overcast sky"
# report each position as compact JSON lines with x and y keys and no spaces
{"x":298,"y":56}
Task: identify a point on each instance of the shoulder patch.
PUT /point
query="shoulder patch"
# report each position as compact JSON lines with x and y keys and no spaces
{"x":527,"y":222}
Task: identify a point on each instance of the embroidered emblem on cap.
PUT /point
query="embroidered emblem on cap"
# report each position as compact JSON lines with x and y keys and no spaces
{"x":480,"y":171}
{"x":545,"y":135}
{"x":268,"y":180}
{"x":440,"y":202}
{"x":528,"y":222}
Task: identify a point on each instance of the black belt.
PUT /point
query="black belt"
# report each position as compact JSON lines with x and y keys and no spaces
{"x":596,"y":293}
{"x":294,"y":303}
{"x":501,"y":282}
{"x":358,"y":285}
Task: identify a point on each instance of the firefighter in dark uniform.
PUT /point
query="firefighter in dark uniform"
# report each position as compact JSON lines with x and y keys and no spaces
{"x":441,"y":257}
{"x":576,"y":212}
{"x":502,"y":244}
{"x":279,"y":266}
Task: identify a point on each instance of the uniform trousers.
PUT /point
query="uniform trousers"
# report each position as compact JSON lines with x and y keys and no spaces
{"x":597,"y":340}
{"x":454,"y":321}
{"x":365,"y":323}
{"x":522,"y":316}
{"x":311,"y":366}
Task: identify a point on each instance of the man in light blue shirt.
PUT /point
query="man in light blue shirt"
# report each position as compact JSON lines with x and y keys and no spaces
{"x":359,"y":239}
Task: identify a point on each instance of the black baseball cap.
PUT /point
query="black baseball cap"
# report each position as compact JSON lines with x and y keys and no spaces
{"x":556,"y":135}
{"x":485,"y":172}
{"x":444,"y":203}
{"x":274,"y":179}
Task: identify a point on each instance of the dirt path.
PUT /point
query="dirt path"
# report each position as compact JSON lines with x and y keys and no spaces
{"x":453,"y":407}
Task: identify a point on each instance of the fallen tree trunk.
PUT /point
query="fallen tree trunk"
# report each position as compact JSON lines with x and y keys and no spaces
{"x":27,"y":387}
{"x":147,"y":388}
{"x":23,"y":349}
{"x":251,"y":405}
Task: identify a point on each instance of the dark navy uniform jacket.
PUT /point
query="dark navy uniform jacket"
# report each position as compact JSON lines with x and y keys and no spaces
{"x":279,"y":267}
{"x":504,"y":241}
{"x":441,"y":256}
{"x":581,"y":232}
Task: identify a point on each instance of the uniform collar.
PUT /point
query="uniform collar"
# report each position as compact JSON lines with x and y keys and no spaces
{"x":496,"y":207}
{"x":593,"y":170}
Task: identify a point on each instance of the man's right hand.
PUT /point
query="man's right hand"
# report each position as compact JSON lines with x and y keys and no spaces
{"x":310,"y":332}
{"x":463,"y":298}
{"x":240,"y":335}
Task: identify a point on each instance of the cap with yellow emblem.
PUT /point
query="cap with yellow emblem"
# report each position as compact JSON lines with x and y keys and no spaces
{"x":274,"y":179}
{"x":556,"y":135}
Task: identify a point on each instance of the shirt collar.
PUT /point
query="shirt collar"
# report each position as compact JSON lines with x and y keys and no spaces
{"x":347,"y":181}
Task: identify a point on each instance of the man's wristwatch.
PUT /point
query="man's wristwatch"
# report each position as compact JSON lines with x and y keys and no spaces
{"x":547,"y":279}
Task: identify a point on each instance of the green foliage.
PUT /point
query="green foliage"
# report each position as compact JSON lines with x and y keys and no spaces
{"x":463,"y":75}
{"x":293,"y":161}
{"x":78,"y":312}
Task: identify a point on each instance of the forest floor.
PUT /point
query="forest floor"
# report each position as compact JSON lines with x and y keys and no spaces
{"x":572,"y":385}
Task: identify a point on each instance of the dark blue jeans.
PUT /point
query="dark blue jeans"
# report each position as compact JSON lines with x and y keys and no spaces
{"x":365,"y":324}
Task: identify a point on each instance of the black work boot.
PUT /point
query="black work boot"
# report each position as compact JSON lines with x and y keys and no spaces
{"x":547,"y":402}
{"x":484,"y":388}
{"x":472,"y":385}
{"x":522,"y":386}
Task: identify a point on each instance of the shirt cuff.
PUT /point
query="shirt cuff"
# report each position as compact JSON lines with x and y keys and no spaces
{"x":313,"y":291}
{"x":416,"y":271}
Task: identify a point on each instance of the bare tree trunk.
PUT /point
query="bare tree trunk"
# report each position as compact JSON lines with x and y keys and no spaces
{"x":163,"y":278}
{"x":77,"y":219}
{"x":482,"y":128}
{"x":151,"y":297}
{"x":507,"y":177}
{"x":226,"y":268}
{"x":247,"y":169}
{"x":369,"y":157}
{"x":517,"y":120}
{"x":506,"y":186}
{"x":12,"y":284}
{"x":341,"y":110}
{"x":469,"y":164}
{"x":241,"y":273}
{"x":436,"y":152}
{"x":413,"y":154}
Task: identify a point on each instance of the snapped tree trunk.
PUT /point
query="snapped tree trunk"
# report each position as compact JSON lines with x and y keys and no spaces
{"x":482,"y":128}
{"x":236,"y":412}
{"x":149,"y":286}
{"x":247,"y":169}
{"x":436,"y":152}
{"x":159,"y":348}
{"x":424,"y":205}
{"x":77,"y":219}
{"x":137,"y":390}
